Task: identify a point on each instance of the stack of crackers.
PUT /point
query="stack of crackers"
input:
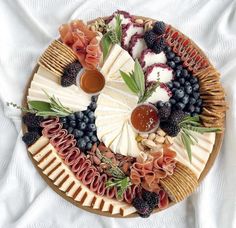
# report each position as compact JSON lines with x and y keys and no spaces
{"x":181,"y":184}
{"x":213,"y":95}
{"x":56,"y":57}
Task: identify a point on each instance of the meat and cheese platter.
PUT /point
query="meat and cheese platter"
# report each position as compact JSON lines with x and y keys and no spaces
{"x":123,"y":115}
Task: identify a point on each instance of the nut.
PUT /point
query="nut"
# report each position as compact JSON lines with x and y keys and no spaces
{"x":104,"y":166}
{"x":160,"y":132}
{"x":149,"y":143}
{"x":125,"y":167}
{"x":169,"y":140}
{"x":109,"y":154}
{"x":96,"y":160}
{"x":148,"y":25}
{"x":157,"y":148}
{"x":159,"y":139}
{"x":152,"y":136}
{"x":144,"y":135}
{"x":139,"y":21}
{"x":141,"y":147}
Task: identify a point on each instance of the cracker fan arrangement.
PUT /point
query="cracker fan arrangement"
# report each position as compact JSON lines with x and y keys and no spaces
{"x":122,"y":115}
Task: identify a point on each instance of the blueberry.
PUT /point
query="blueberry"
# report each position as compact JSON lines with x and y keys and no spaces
{"x":197,"y":110}
{"x":196,"y":95}
{"x":181,"y":81}
{"x":94,"y":138}
{"x":178,"y":73}
{"x":85,"y":112}
{"x":65,"y":126}
{"x":185,"y":99}
{"x":91,"y":115}
{"x":92,"y":127}
{"x":167,"y":104}
{"x":177,"y":59}
{"x":173,"y":90}
{"x":81,"y":125}
{"x":71,"y":117}
{"x":187,"y":83}
{"x":193,"y":80}
{"x":179,"y":67}
{"x":63,"y":120}
{"x":94,"y":98}
{"x":86,"y":138}
{"x":199,"y":102}
{"x":90,"y":133}
{"x":88,"y":146}
{"x":176,"y":84}
{"x":72,"y":123}
{"x":181,"y":87}
{"x":85,"y":119}
{"x":172,"y":101}
{"x":191,"y":108}
{"x":70,"y":130}
{"x":179,"y":93}
{"x":159,"y":104}
{"x":195,"y":87}
{"x":167,"y":49}
{"x":79,"y":115}
{"x":170,"y":84}
{"x":77,"y":133}
{"x":192,"y":100}
{"x":188,"y":89}
{"x":170,"y":55}
{"x":180,"y":106}
{"x":184,"y":73}
{"x":93,"y":106}
{"x":81,"y":143}
{"x":171,"y":64}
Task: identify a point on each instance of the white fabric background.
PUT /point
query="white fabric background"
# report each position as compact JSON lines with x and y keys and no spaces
{"x":27,"y":27}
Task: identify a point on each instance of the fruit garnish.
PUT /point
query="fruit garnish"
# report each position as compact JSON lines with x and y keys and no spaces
{"x":112,"y":36}
{"x":136,"y":83}
{"x":144,"y":118}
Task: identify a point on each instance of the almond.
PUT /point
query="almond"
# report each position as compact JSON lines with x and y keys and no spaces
{"x":139,"y":21}
{"x":144,"y":135}
{"x":160,"y":132}
{"x":141,"y":147}
{"x":159,"y":139}
{"x":149,"y":143}
{"x":152,"y":136}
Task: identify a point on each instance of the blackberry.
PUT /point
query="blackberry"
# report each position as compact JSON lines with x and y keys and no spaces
{"x":159,"y":45}
{"x":159,"y":27}
{"x":176,"y":117}
{"x":142,"y":207}
{"x":150,"y":38}
{"x":31,"y":120}
{"x":151,"y":198}
{"x":30,"y":137}
{"x":164,"y":112}
{"x":170,"y":129}
{"x":70,"y":73}
{"x":35,"y":129}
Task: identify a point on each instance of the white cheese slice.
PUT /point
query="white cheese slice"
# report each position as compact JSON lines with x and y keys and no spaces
{"x":114,"y":53}
{"x":200,"y":151}
{"x":47,"y":74}
{"x":109,"y":138}
{"x":123,"y":144}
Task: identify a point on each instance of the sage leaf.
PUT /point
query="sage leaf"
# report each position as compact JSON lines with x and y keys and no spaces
{"x":139,"y":77}
{"x":129,"y":81}
{"x":40,"y":105}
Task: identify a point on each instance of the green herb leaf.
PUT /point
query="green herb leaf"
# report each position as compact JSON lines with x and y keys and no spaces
{"x":118,"y":29}
{"x":106,"y":45}
{"x":139,"y":78}
{"x":130,"y":82}
{"x":40,"y":105}
{"x":187,"y":145}
{"x":148,"y":92}
{"x":201,"y":130}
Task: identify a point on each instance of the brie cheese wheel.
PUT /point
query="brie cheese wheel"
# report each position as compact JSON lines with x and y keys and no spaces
{"x":200,"y":151}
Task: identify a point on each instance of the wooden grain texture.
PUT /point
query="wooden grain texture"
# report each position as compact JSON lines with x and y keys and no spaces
{"x":211,"y":160}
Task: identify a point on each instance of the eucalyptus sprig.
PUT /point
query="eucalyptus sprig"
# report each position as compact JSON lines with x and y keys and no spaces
{"x":119,"y":179}
{"x":42,"y":108}
{"x":189,"y":125}
{"x":112,"y":36}
{"x":136,"y":83}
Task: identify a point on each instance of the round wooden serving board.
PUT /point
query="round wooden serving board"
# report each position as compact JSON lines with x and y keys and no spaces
{"x":216,"y":149}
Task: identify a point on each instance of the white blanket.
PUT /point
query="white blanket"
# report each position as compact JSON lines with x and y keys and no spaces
{"x":27,"y":27}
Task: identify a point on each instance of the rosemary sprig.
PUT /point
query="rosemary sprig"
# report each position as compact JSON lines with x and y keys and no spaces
{"x":41,"y":108}
{"x":112,"y":36}
{"x":136,"y":83}
{"x":119,"y":180}
{"x":192,"y":124}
